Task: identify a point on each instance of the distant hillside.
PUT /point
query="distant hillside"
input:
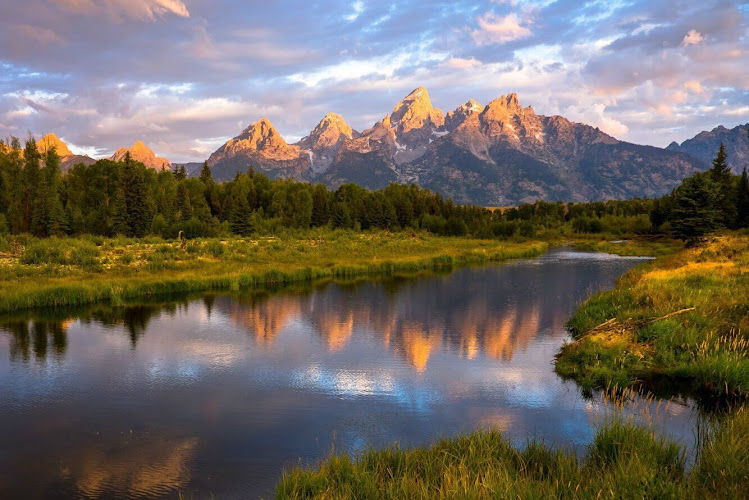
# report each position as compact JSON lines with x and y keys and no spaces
{"x":705,"y":145}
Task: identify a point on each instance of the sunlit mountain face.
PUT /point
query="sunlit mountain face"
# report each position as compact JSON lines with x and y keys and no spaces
{"x":216,"y":394}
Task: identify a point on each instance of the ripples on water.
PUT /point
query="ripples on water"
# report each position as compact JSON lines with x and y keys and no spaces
{"x":218,"y":394}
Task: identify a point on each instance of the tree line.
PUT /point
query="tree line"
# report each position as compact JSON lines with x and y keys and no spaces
{"x":127,"y":198}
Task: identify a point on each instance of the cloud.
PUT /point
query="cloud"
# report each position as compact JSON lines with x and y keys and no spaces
{"x":147,"y":10}
{"x":36,"y":34}
{"x":358,"y":7}
{"x":692,"y":38}
{"x":694,"y":86}
{"x":460,"y":63}
{"x":496,"y":29}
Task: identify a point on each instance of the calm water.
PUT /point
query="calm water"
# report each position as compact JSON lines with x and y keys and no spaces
{"x":219,"y":394}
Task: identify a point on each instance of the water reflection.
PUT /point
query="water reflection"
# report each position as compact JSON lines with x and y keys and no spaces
{"x":216,"y":394}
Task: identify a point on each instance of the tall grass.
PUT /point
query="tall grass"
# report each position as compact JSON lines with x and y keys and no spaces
{"x":706,"y":346}
{"x":69,"y":272}
{"x":623,"y":461}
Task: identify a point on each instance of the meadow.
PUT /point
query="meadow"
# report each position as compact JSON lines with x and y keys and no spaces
{"x":56,"y":272}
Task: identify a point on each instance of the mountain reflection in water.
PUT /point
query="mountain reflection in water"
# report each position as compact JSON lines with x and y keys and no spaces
{"x":217,"y":394}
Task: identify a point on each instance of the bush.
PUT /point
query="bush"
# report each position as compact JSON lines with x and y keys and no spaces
{"x":159,"y":225}
{"x":215,"y":248}
{"x":82,"y":253}
{"x":455,"y":227}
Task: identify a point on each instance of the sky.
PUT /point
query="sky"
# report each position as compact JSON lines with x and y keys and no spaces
{"x":186,"y":75}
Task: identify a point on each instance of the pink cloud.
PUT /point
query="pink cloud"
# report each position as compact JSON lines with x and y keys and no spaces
{"x":146,"y":10}
{"x":495,"y":29}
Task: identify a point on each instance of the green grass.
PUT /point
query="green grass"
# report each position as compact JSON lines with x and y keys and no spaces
{"x":76,"y":271}
{"x":640,"y":247}
{"x":624,"y":461}
{"x":706,"y":347}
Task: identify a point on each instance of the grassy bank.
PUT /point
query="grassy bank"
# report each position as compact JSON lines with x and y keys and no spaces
{"x":684,"y":317}
{"x":640,"y":247}
{"x":624,"y":461}
{"x":68,"y":272}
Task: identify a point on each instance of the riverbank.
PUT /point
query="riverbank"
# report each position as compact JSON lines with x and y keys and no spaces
{"x":624,"y":461}
{"x":683,"y":318}
{"x":77,"y":271}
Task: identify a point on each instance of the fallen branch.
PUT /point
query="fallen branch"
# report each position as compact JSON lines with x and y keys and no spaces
{"x":614,"y":324}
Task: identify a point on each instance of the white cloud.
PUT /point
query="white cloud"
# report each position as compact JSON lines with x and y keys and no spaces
{"x":594,"y":114}
{"x":499,"y":29}
{"x":358,"y":7}
{"x":692,"y":38}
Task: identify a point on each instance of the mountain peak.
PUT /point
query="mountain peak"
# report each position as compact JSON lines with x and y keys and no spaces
{"x":142,"y":153}
{"x":260,"y":136}
{"x":462,"y":113}
{"x":415,"y":111}
{"x":507,"y":105}
{"x":330,"y":132}
{"x":50,"y":141}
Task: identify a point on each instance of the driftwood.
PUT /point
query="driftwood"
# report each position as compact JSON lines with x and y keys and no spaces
{"x":613,"y":325}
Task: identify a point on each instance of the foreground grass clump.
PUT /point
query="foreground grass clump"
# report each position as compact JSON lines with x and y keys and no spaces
{"x":685,"y":317}
{"x":624,"y":461}
{"x":75,"y":271}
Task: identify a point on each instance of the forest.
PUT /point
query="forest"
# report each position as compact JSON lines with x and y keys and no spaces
{"x":128,"y":199}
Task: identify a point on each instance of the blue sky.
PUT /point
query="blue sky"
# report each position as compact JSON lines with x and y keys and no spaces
{"x":185,"y":75}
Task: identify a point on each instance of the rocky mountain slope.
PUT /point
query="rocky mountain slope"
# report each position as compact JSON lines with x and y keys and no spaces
{"x":497,"y":154}
{"x":142,"y":153}
{"x":705,"y":145}
{"x":67,"y":158}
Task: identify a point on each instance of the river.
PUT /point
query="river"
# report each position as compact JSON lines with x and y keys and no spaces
{"x":217,"y":394}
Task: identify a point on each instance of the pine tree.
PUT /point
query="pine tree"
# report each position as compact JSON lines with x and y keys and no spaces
{"x":31,"y":181}
{"x":184,"y":207}
{"x":120,"y":223}
{"x":721,"y":175}
{"x":694,"y":212}
{"x":742,"y":201}
{"x":180,"y":173}
{"x":136,"y":198}
{"x":240,"y":217}
{"x":205,"y":174}
{"x":341,"y":216}
{"x":57,"y":223}
{"x":320,"y":206}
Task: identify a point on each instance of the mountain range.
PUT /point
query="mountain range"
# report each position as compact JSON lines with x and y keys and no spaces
{"x":705,"y":144}
{"x":496,"y":154}
{"x":138,"y":151}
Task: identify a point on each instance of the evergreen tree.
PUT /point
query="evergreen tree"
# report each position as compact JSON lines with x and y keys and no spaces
{"x":721,"y":175}
{"x":184,"y":207}
{"x":56,"y":223}
{"x":341,"y":216}
{"x":205,"y":174}
{"x":694,"y":212}
{"x":120,"y":223}
{"x":31,"y":181}
{"x":320,"y":206}
{"x":136,"y":197}
{"x":240,"y":218}
{"x":742,"y":201}
{"x":180,"y":173}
